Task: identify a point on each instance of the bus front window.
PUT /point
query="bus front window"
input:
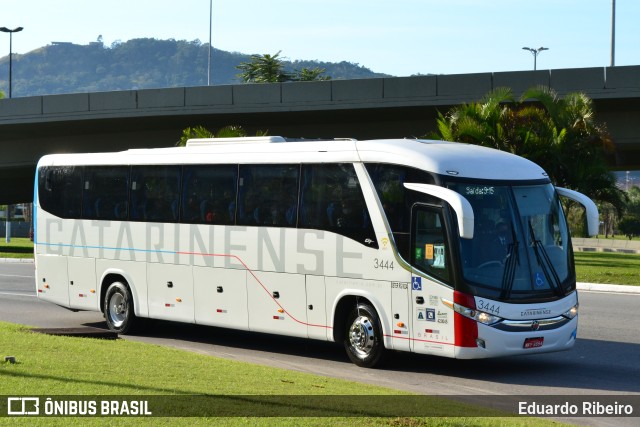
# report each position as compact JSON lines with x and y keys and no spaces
{"x":520,"y":249}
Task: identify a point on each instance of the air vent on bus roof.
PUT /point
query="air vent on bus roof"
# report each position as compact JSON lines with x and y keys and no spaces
{"x":221,"y":141}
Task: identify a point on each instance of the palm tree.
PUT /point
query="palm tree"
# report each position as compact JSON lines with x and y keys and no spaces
{"x":263,"y":69}
{"x":310,"y":74}
{"x":561,"y":135}
{"x":479,"y":123}
{"x":193,"y":132}
{"x":270,"y":69}
{"x":579,"y":156}
{"x":231,"y":131}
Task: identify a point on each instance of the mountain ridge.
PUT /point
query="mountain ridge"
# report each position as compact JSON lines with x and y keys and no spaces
{"x":143,"y":63}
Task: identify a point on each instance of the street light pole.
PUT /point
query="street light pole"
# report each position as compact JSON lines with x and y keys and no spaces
{"x":613,"y":33}
{"x":6,"y":30}
{"x":535,"y":53}
{"x":210,"y":27}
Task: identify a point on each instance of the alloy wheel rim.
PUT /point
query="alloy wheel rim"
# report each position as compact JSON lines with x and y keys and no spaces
{"x":117,"y":309}
{"x":361,"y":336}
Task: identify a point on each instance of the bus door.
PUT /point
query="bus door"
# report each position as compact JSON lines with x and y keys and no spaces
{"x":431,"y":270}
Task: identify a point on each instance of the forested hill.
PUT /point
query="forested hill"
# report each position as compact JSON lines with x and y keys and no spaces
{"x":137,"y":64}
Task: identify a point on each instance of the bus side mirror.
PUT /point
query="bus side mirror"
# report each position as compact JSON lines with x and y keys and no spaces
{"x":593,"y":219}
{"x":459,"y":204}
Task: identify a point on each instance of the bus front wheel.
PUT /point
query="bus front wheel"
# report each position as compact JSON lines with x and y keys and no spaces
{"x":363,"y":337}
{"x":118,"y":308}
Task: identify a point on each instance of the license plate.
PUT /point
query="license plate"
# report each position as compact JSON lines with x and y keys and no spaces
{"x":533,"y":342}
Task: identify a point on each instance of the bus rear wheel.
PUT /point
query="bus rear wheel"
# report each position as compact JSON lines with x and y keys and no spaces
{"x":118,"y":308}
{"x":363,"y":337}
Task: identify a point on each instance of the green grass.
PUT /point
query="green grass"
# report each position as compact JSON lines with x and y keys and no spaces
{"x":20,"y":247}
{"x":608,"y":267}
{"x":53,"y":365}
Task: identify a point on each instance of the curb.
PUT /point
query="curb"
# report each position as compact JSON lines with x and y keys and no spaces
{"x":20,"y":260}
{"x":618,"y":289}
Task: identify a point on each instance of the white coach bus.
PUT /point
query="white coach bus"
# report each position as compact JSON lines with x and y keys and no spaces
{"x":425,"y":246}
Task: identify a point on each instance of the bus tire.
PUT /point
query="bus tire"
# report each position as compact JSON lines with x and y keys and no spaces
{"x":118,"y":308}
{"x":363,"y":337}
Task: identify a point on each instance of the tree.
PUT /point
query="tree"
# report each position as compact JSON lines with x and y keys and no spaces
{"x":560,"y":135}
{"x":579,"y":156}
{"x":633,"y":207}
{"x":263,"y":69}
{"x":630,"y":226}
{"x":310,"y":74}
{"x":271,"y":69}
{"x":192,"y":133}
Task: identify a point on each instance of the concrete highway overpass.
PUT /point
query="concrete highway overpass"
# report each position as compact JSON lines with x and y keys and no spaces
{"x":369,"y":108}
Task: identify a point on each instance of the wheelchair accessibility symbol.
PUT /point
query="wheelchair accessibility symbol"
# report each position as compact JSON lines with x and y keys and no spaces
{"x":416,"y":283}
{"x":539,"y":280}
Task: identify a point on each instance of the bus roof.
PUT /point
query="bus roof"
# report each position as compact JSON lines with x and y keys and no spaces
{"x":440,"y":157}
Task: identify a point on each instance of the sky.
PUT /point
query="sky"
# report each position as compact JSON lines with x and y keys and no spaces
{"x":400,"y":37}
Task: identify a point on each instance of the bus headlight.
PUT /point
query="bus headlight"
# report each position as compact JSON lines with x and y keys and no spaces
{"x":572,"y":312}
{"x":487,"y":319}
{"x":478,"y":316}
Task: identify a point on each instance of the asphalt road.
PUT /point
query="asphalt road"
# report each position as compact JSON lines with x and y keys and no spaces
{"x":605,"y":360}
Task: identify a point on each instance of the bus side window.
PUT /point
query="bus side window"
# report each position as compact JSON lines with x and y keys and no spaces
{"x":332,"y":200}
{"x":60,"y":190}
{"x":388,"y":180}
{"x":209,"y":194}
{"x":105,"y":194}
{"x":268,"y":195}
{"x":155,"y":193}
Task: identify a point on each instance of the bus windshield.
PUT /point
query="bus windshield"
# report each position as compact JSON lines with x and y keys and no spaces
{"x":521,"y":248}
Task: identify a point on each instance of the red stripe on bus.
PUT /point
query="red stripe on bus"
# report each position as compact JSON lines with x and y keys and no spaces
{"x":259,"y":282}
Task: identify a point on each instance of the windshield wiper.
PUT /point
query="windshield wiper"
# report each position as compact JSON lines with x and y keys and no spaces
{"x":513,"y":257}
{"x":544,"y":261}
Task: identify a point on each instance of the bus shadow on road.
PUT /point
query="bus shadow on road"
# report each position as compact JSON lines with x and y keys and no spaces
{"x":252,"y":341}
{"x":591,"y":365}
